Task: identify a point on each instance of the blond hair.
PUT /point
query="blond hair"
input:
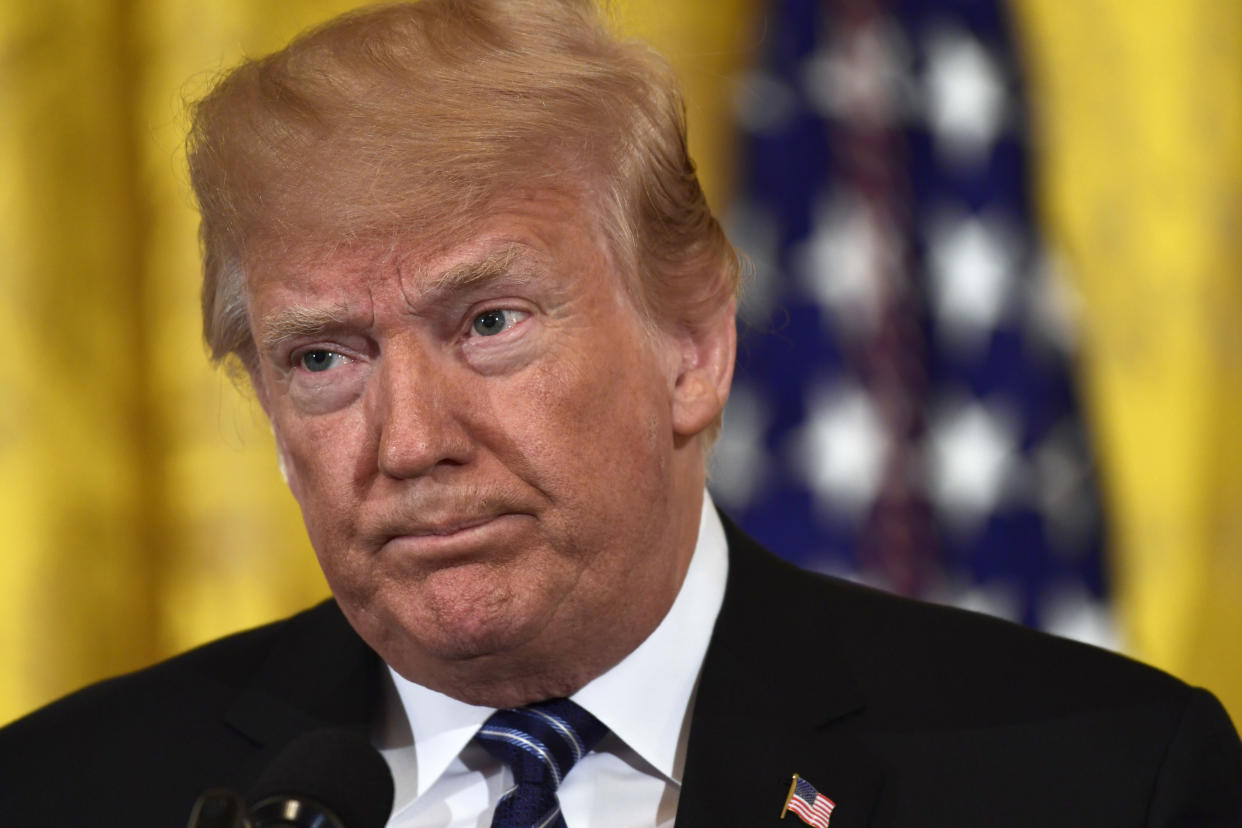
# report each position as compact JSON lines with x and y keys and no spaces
{"x":415,"y":117}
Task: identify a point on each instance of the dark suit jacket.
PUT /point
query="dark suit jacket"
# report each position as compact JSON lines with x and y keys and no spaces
{"x":904,"y":714}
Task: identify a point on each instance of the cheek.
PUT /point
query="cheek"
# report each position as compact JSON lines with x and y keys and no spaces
{"x":322,"y":455}
{"x":600,"y":428}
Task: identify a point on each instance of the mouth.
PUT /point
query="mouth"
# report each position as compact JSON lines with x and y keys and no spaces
{"x":455,"y":538}
{"x":446,"y":528}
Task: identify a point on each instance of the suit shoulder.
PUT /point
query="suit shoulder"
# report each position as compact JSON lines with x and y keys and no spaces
{"x":960,"y":654}
{"x":958,"y":687}
{"x":923,"y":662}
{"x":200,"y":680}
{"x":140,"y":747}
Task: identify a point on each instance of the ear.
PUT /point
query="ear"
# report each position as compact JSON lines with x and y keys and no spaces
{"x":705,"y":371}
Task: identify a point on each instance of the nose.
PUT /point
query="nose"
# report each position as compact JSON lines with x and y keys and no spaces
{"x":417,"y":412}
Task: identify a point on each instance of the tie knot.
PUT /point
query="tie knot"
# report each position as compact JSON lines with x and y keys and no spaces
{"x":541,"y":742}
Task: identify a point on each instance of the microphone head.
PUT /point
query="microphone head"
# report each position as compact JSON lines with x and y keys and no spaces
{"x":218,"y":808}
{"x":333,"y":769}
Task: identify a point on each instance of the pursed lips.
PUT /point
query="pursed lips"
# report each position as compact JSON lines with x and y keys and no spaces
{"x":446,"y":527}
{"x":447,"y":516}
{"x":456,"y":535}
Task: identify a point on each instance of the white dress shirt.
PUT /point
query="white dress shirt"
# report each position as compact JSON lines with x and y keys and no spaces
{"x":632,"y":778}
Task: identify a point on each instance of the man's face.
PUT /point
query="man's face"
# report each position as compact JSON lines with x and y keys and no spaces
{"x":482,"y":440}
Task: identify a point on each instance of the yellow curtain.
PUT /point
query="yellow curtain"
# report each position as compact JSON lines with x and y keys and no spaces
{"x":1139,"y":124}
{"x":140,"y":509}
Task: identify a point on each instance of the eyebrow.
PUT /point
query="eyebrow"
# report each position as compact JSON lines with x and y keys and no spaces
{"x":297,"y":321}
{"x":472,"y":274}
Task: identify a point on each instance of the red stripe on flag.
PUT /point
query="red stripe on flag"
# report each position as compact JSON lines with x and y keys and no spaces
{"x":816,"y":814}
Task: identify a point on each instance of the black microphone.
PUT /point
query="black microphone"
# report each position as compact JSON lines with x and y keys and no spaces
{"x":324,"y":779}
{"x":218,"y":808}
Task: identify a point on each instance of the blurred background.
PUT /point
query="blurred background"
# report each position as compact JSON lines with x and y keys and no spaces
{"x":992,"y":348}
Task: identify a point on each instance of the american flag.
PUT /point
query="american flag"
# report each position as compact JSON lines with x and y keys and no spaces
{"x":810,"y":805}
{"x":903,"y":410}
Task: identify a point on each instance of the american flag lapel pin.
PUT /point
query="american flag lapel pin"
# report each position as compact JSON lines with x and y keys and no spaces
{"x":811,"y":806}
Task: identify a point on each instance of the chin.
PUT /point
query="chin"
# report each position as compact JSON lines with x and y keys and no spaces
{"x":445,"y":632}
{"x":515,"y":693}
{"x":463,"y":643}
{"x":486,"y":667}
{"x":476,"y":633}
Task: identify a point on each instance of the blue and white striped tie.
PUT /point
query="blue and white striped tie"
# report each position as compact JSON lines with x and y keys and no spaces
{"x":539,"y":743}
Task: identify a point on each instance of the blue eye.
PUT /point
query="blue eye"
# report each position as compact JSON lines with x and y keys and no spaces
{"x":319,"y":360}
{"x":492,"y":322}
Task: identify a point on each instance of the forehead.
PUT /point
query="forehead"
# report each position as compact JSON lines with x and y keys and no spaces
{"x":535,"y":235}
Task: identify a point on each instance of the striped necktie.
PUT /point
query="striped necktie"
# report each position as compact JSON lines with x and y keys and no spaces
{"x":539,"y":743}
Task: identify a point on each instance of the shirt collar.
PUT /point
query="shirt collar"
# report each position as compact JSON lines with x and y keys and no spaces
{"x":651,"y":725}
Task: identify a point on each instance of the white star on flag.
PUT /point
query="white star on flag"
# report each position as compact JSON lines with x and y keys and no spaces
{"x":840,"y":452}
{"x":840,"y":264}
{"x":965,"y":96}
{"x":971,"y":463}
{"x":973,"y":264}
{"x":738,"y":459}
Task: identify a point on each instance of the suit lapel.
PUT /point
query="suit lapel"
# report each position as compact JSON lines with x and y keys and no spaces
{"x":318,"y":674}
{"x":775,"y":698}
